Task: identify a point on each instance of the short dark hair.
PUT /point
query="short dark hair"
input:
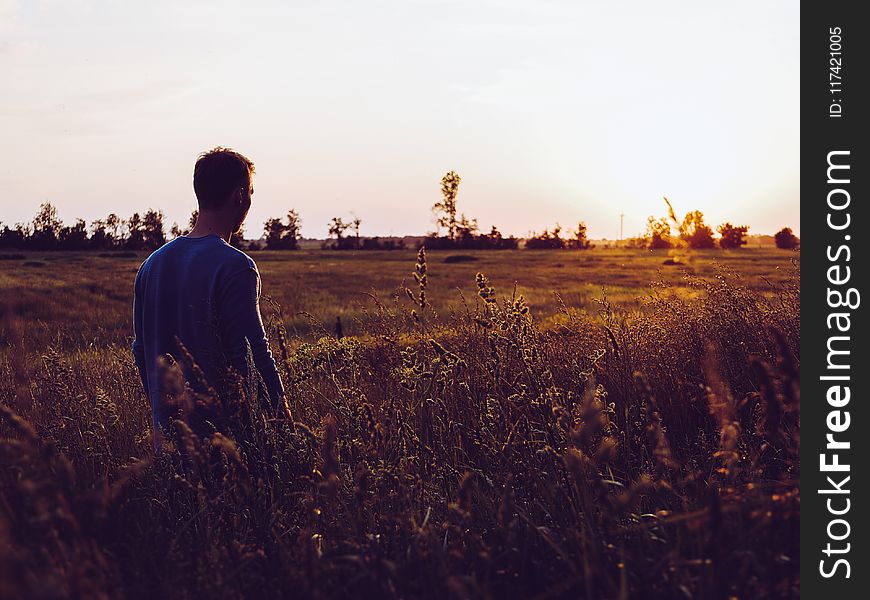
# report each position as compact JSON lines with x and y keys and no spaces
{"x":218,"y":173}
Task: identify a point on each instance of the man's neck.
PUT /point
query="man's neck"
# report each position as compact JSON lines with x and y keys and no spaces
{"x":211,"y":224}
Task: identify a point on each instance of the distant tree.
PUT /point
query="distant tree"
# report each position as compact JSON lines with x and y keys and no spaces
{"x":99,"y":235}
{"x":466,"y":231}
{"x":75,"y":237}
{"x":695,"y":232}
{"x":786,"y":239}
{"x":549,"y":240}
{"x":445,"y":210}
{"x":105,"y":233}
{"x":283,"y":236}
{"x":495,"y":236}
{"x":461,"y":231}
{"x":15,"y":237}
{"x":658,"y":233}
{"x":46,"y":228}
{"x":273,"y":229}
{"x":337,"y":229}
{"x":153,"y":233}
{"x":580,"y":241}
{"x":293,"y":229}
{"x":355,"y":225}
{"x":469,"y":237}
{"x":114,"y":223}
{"x":135,"y":236}
{"x":733,"y":236}
{"x":494,"y":240}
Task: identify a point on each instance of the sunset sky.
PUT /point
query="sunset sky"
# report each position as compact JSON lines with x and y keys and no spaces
{"x":549,"y":111}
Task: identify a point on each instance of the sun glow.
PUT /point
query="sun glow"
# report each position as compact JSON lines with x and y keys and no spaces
{"x":551,"y":112}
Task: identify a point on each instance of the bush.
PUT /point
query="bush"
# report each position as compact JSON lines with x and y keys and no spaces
{"x":281,"y":235}
{"x":658,"y":234}
{"x":547,"y":240}
{"x":786,"y":239}
{"x":490,"y":241}
{"x":732,"y":236}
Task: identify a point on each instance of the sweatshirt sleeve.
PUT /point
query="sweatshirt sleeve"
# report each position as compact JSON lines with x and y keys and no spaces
{"x":239,"y":310}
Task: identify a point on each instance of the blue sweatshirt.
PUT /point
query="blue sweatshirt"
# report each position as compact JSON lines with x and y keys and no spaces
{"x":207,"y":293}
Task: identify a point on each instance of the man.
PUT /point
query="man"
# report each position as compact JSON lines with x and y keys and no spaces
{"x":202,"y":291}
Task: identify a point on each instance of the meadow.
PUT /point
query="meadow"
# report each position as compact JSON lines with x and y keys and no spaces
{"x":93,"y":291}
{"x":524,"y":424}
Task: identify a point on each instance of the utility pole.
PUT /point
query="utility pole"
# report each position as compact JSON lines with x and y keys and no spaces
{"x":621,"y":218}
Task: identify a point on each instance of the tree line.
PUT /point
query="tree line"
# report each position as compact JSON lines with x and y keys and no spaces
{"x":454,"y":230}
{"x":48,"y":232}
{"x":147,"y":231}
{"x":693,"y":232}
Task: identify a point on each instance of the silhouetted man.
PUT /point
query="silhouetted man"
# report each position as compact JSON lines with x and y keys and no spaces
{"x":202,"y":290}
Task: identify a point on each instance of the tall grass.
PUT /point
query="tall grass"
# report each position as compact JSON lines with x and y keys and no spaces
{"x":646,"y":454}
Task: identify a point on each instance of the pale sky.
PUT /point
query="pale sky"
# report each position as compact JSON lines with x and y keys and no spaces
{"x":549,"y":111}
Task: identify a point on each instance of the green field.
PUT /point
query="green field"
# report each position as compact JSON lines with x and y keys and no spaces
{"x":50,"y":290}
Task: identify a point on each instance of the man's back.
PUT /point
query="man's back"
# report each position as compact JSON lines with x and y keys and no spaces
{"x":205,"y":292}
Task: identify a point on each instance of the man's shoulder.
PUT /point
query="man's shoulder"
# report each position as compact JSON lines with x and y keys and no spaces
{"x":237,"y":258}
{"x":229,"y":260}
{"x":155,"y":256}
{"x":158,"y":255}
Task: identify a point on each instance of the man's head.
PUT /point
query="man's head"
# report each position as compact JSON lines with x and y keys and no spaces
{"x":223,"y":182}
